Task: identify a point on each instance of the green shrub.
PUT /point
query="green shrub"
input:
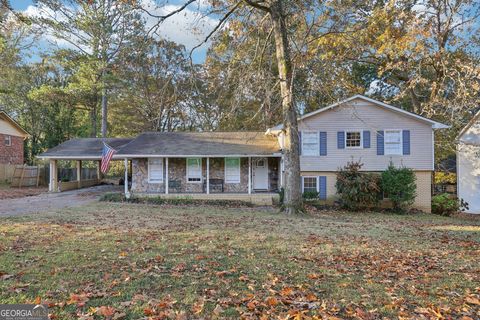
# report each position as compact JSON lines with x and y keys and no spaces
{"x":113,"y":197}
{"x":281,"y":195}
{"x":357,"y":190}
{"x":445,"y":204}
{"x":119,"y":197}
{"x":400,"y":187}
{"x":310,"y":195}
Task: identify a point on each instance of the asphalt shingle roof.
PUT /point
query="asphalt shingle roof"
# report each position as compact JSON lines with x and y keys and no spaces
{"x":171,"y":144}
{"x":201,"y":144}
{"x":84,"y":147}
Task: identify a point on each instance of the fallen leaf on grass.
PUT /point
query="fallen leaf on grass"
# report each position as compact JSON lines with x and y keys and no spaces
{"x":197,"y":307}
{"x":218,"y":310}
{"x":78,"y":299}
{"x":472,"y":300}
{"x":271,"y":301}
{"x":105,"y":311}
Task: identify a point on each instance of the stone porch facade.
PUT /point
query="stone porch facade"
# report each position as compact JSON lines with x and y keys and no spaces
{"x":177,"y":177}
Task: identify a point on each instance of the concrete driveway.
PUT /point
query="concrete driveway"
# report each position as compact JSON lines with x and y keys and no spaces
{"x":48,"y":201}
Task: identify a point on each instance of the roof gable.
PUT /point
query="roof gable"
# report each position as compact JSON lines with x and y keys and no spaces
{"x":11,"y":127}
{"x":434,"y":124}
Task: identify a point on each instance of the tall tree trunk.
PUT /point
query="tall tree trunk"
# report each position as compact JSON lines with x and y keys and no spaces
{"x":104,"y":106}
{"x":293,"y":197}
{"x":93,"y":118}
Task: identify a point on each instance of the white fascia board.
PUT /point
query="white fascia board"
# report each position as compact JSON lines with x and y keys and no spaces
{"x":122,"y":156}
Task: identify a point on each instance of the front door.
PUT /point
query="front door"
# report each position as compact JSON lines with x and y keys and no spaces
{"x":260,"y":174}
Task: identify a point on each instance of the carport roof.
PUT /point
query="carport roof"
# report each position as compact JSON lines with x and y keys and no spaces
{"x":83,"y":148}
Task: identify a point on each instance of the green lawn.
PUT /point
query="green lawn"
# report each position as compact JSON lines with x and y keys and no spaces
{"x":131,"y":261}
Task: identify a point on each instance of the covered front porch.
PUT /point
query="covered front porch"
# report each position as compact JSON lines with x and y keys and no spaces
{"x":215,"y":176}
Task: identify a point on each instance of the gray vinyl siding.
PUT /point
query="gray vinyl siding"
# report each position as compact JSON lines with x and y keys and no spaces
{"x":360,"y":115}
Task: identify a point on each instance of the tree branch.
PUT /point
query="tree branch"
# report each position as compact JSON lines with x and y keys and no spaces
{"x":219,"y":24}
{"x":257,"y":5}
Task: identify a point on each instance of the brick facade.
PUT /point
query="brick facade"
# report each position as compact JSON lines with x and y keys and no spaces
{"x":11,"y":154}
{"x":177,"y":171}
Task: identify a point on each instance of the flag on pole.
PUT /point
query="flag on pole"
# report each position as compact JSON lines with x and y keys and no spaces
{"x":107,"y":154}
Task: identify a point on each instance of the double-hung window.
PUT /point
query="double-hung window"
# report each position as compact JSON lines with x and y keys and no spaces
{"x":310,"y":143}
{"x":232,"y":170}
{"x":194,"y":170}
{"x":155,"y":170}
{"x":353,"y":139}
{"x":309,"y":184}
{"x":8,"y":141}
{"x":393,"y":142}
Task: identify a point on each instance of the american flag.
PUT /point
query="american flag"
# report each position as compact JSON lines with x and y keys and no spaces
{"x":107,"y":154}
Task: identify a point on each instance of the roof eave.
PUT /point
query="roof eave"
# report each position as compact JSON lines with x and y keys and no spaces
{"x":16,"y":125}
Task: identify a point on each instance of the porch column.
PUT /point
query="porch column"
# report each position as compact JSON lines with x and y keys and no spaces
{"x":208,"y":175}
{"x":79,"y":173}
{"x":53,"y":185}
{"x":249,"y":175}
{"x":166,"y":175}
{"x":99,"y":174}
{"x":127,"y":194}
{"x":280,"y":168}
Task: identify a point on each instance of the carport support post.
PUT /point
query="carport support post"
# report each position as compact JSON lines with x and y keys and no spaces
{"x":53,"y":185}
{"x":79,"y":173}
{"x":99,"y":174}
{"x":127,"y":194}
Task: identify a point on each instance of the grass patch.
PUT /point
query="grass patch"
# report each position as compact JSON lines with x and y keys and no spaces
{"x":140,"y":260}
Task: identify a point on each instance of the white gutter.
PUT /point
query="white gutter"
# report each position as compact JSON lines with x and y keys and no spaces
{"x":123,"y":156}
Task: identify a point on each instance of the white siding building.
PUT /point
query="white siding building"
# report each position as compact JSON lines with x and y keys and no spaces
{"x":468,"y":164}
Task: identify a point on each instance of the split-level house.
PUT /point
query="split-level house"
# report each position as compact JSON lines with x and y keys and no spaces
{"x":249,"y":166}
{"x":468,"y":164}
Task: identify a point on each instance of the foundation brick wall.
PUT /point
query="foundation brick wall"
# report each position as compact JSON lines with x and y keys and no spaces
{"x":11,"y":154}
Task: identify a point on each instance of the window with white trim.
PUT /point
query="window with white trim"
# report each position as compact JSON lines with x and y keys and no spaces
{"x":309,"y":184}
{"x":353,"y":139}
{"x":310,"y":143}
{"x":155,"y":170}
{"x":393,"y":142}
{"x":232,"y":170}
{"x":194,"y":170}
{"x":8,"y":141}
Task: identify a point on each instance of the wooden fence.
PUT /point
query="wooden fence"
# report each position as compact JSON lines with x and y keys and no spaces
{"x":26,"y":176}
{"x":6,"y":172}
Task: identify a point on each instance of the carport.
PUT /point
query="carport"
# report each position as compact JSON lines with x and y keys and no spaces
{"x":79,"y":150}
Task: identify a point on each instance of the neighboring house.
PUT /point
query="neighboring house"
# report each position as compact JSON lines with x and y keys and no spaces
{"x":468,"y":164}
{"x":12,"y":137}
{"x":248,"y":165}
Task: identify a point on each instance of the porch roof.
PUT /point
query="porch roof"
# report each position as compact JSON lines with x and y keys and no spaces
{"x":170,"y":144}
{"x":178,"y":144}
{"x":83,"y":148}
